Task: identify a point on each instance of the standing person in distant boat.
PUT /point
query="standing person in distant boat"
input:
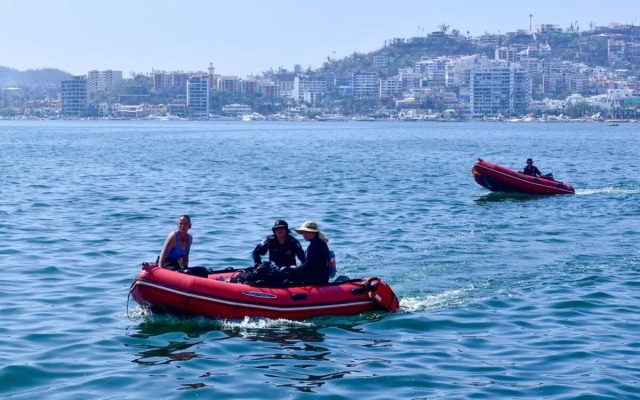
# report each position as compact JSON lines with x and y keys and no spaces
{"x":532,"y":170}
{"x":175,"y":252}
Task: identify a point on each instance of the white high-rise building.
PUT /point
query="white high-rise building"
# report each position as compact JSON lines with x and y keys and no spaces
{"x":458,"y":72}
{"x":75,"y":96}
{"x":198,"y":96}
{"x":94,"y":81}
{"x":498,"y":89}
{"x":285,"y":82}
{"x":365,"y":84}
{"x":390,"y":87}
{"x":111,"y":79}
{"x":434,"y":69}
{"x":309,"y":88}
{"x":508,"y":54}
{"x":410,"y":80}
{"x":103,"y":81}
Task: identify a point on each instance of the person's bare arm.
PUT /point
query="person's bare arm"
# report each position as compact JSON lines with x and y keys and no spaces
{"x":169,"y":243}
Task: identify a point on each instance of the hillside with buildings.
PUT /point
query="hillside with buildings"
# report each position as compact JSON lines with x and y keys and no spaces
{"x":444,"y":74}
{"x":591,"y":47}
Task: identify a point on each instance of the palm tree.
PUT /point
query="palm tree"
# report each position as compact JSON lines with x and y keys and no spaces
{"x":443,"y":28}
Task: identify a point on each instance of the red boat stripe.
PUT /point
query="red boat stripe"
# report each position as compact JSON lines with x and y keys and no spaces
{"x":250,"y":305}
{"x":524,"y":180}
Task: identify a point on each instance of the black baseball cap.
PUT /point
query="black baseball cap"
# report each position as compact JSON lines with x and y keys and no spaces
{"x":280,"y":224}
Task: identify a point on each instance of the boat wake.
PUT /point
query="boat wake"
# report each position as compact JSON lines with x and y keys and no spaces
{"x":607,"y":190}
{"x":450,"y":298}
{"x":262,"y":323}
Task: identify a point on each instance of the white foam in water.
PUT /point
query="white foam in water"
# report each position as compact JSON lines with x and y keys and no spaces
{"x":449,"y":298}
{"x":607,"y":190}
{"x":263,"y":323}
{"x":134,"y":313}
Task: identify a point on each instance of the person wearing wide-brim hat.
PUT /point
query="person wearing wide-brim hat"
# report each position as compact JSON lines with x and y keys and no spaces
{"x":530,"y":169}
{"x":281,"y":246}
{"x":315,"y":270}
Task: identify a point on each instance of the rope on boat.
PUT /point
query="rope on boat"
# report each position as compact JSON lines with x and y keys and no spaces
{"x":128,"y":296}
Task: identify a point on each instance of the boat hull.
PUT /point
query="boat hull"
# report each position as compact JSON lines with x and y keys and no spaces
{"x":500,"y":179}
{"x":165,"y":291}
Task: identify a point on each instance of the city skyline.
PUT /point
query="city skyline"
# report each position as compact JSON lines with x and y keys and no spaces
{"x":78,"y":37}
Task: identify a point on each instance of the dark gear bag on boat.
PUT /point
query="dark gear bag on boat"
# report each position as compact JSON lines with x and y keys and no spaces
{"x":174,"y":265}
{"x":262,"y":275}
{"x":201,"y":272}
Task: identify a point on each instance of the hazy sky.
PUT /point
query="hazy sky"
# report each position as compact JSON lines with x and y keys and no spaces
{"x":249,"y":36}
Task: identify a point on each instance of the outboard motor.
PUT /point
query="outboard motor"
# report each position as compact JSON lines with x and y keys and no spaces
{"x":382,"y":294}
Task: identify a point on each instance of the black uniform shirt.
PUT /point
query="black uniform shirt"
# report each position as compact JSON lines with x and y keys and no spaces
{"x":531,"y":170}
{"x":283,"y":255}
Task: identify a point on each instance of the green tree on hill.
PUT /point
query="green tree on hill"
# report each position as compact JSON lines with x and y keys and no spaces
{"x":444,"y":28}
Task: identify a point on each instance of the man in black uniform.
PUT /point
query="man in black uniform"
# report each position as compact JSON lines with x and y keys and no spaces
{"x":282,"y":247}
{"x":531,"y":170}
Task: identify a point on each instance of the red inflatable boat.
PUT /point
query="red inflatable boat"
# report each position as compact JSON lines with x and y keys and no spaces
{"x":500,"y":179}
{"x":164,"y":291}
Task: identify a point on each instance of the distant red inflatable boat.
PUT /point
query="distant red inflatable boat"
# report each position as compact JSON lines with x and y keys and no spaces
{"x":500,"y":179}
{"x":165,"y":291}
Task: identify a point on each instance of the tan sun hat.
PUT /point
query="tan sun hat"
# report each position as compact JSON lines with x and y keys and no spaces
{"x":311,"y":226}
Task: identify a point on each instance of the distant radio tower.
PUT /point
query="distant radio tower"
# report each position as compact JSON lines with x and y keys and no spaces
{"x":530,"y":22}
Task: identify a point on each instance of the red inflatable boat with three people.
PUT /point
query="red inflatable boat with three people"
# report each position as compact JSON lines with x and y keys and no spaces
{"x":164,"y":291}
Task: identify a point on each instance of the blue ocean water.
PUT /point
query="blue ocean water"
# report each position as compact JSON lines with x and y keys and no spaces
{"x":503,"y":296}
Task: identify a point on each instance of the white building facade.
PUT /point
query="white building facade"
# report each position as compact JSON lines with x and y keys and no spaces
{"x":365,"y":84}
{"x":311,"y":89}
{"x":103,"y":81}
{"x":458,"y":72}
{"x":390,"y":87}
{"x":499,"y":90}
